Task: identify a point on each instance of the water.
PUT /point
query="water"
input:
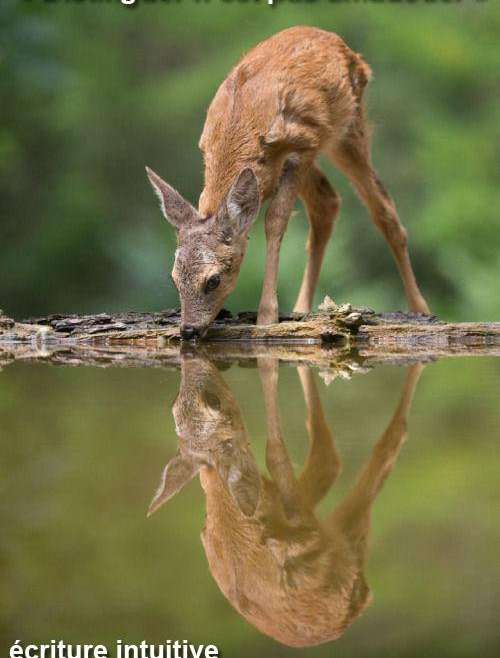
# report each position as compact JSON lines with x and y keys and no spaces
{"x":82,"y":456}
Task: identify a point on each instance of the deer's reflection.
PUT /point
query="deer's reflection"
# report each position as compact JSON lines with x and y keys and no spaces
{"x":293,"y":576}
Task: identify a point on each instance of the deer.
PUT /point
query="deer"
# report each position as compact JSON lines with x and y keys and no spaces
{"x":293,"y":97}
{"x":293,"y":576}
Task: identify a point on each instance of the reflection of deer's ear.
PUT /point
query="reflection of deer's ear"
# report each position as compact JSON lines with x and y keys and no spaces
{"x":243,"y":202}
{"x":244,"y":485}
{"x":177,"y":473}
{"x":175,"y":208}
{"x":361,"y":597}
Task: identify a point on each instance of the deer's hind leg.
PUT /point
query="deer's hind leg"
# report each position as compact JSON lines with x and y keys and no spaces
{"x":322,"y":206}
{"x":353,"y":514}
{"x":278,"y":460}
{"x":352,"y":157}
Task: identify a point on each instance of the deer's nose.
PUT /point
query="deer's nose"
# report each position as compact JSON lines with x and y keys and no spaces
{"x":189,"y":333}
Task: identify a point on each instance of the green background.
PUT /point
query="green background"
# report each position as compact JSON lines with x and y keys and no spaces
{"x":90,"y":92}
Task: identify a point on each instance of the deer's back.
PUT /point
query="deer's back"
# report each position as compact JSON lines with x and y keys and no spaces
{"x":303,"y":79}
{"x":302,"y":69}
{"x":299,"y":587}
{"x":301,"y":52}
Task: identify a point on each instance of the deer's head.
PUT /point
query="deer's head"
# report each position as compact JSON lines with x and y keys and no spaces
{"x":212,"y":437}
{"x":210,"y":249}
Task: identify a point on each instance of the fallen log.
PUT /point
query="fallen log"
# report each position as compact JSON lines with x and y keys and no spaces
{"x":333,"y":334}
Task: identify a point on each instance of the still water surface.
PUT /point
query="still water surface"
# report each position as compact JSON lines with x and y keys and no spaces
{"x":282,"y":512}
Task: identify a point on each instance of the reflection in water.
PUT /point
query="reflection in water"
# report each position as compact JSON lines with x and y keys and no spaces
{"x":293,"y":576}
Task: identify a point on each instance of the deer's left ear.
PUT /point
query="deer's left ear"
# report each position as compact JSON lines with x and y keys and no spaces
{"x":175,"y":208}
{"x":243,"y":201}
{"x":177,"y":473}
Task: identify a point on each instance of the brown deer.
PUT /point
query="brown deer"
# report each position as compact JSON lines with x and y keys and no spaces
{"x":294,"y":577}
{"x":294,"y":96}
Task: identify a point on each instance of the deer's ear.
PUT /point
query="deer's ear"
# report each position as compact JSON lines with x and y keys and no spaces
{"x":244,"y":486}
{"x":176,"y":209}
{"x":241,"y":477}
{"x":243,"y":201}
{"x":177,"y":473}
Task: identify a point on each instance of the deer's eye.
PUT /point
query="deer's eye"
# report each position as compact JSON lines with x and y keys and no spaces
{"x":212,"y":283}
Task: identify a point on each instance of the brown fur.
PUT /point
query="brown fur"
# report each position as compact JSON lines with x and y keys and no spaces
{"x":293,"y":576}
{"x":292,"y":97}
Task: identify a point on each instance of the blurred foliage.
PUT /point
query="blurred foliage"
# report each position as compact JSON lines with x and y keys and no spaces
{"x":90,"y":92}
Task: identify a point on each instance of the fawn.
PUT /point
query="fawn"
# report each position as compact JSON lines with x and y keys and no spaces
{"x":294,"y":577}
{"x":294,"y":96}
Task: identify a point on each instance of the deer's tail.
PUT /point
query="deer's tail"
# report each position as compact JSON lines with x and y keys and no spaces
{"x":360,"y":74}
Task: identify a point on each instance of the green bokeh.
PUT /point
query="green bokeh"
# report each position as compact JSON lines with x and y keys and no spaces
{"x":90,"y":92}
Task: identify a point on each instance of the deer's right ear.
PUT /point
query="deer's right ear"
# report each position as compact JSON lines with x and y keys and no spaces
{"x":243,"y":202}
{"x":244,"y":486}
{"x":176,"y":209}
{"x":176,"y":474}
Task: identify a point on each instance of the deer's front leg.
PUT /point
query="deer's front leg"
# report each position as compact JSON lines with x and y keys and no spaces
{"x":278,"y":213}
{"x":323,"y":463}
{"x":277,"y":458}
